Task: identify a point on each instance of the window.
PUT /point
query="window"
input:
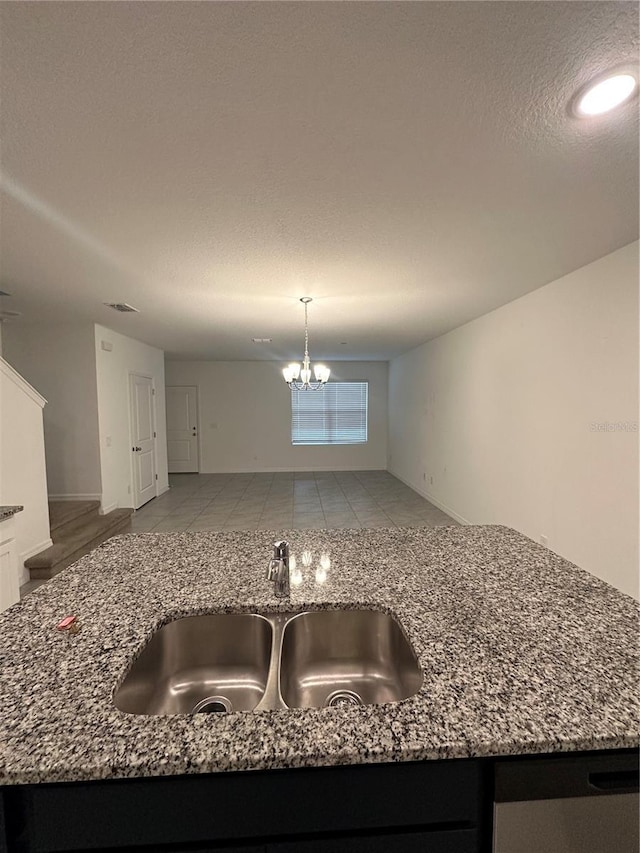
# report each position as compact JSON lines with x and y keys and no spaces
{"x":335,"y":415}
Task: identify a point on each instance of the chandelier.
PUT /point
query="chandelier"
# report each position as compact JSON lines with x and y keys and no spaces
{"x":300,"y":379}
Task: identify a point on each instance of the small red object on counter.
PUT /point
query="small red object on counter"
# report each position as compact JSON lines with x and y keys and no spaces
{"x":68,"y":620}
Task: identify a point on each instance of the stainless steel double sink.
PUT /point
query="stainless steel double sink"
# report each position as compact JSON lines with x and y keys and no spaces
{"x":229,"y":662}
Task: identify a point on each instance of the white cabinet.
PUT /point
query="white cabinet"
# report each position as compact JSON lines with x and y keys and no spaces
{"x":9,"y":586}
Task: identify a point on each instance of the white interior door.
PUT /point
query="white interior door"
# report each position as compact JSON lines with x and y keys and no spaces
{"x":182,"y":432}
{"x":143,"y":449}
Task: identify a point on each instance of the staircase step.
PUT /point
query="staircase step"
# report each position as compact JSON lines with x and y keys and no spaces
{"x":75,"y":527}
{"x":62,"y":513}
{"x":82,"y":540}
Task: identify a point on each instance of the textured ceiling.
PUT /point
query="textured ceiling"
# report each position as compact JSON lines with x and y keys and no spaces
{"x":409,"y":165}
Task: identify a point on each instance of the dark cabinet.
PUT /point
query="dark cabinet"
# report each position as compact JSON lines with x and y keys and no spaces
{"x":420,"y":807}
{"x":313,"y":806}
{"x":447,"y":841}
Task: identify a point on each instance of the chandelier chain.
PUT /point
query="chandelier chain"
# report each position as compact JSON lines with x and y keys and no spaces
{"x":306,"y":332}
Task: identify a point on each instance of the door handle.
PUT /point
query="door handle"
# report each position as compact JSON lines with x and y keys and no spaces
{"x":135,"y":449}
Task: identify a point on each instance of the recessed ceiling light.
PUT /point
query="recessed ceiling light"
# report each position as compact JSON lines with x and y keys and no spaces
{"x":605,"y":93}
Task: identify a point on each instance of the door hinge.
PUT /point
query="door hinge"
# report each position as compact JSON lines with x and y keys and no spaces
{"x":156,"y":476}
{"x":154,"y":435}
{"x":153,"y":392}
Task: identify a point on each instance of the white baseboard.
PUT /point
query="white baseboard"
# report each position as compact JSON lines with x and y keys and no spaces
{"x":94,"y":497}
{"x":163,"y":489}
{"x":105,"y":510}
{"x":30,"y":552}
{"x":289,"y":469}
{"x":432,"y":499}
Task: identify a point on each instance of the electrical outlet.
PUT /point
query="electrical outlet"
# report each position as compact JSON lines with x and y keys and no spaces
{"x":544,"y":541}
{"x":431,"y":481}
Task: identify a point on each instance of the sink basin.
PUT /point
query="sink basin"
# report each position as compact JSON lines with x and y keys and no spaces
{"x":245,"y":661}
{"x":338,"y":658}
{"x":199,"y":664}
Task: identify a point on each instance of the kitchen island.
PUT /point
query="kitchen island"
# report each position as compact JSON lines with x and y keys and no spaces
{"x":522,"y":654}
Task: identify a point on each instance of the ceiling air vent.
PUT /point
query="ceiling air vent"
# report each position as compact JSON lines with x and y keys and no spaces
{"x":123,"y":307}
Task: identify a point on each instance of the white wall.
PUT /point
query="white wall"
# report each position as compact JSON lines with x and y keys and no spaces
{"x":23,"y":478}
{"x":59,"y":360}
{"x":112,"y":370}
{"x":494,"y":421}
{"x":245,"y":417}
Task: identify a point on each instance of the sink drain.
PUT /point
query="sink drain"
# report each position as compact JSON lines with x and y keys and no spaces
{"x":213,"y":705}
{"x":343,"y":699}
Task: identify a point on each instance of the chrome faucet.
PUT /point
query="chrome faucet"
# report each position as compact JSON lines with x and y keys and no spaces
{"x":278,"y":570}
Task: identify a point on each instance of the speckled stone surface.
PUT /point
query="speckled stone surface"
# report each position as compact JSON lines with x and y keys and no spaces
{"x":521,"y":651}
{"x":8,"y":511}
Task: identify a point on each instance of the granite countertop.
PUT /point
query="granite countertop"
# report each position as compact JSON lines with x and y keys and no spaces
{"x":521,"y":651}
{"x":8,"y":511}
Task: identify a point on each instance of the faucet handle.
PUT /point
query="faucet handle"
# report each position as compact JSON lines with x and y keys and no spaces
{"x":279,"y":560}
{"x":280,"y":549}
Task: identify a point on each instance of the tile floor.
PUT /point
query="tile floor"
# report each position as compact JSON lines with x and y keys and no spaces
{"x":322,"y":499}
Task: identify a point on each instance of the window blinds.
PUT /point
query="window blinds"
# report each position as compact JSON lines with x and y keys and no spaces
{"x":335,"y":415}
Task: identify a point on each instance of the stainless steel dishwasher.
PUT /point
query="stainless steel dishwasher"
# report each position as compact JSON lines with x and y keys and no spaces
{"x":567,"y":804}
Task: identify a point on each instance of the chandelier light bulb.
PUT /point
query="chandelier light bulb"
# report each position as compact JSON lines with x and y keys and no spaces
{"x":291,"y":372}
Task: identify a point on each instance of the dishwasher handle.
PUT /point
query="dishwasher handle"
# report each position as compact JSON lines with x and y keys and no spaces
{"x":552,"y":777}
{"x":621,"y":781}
